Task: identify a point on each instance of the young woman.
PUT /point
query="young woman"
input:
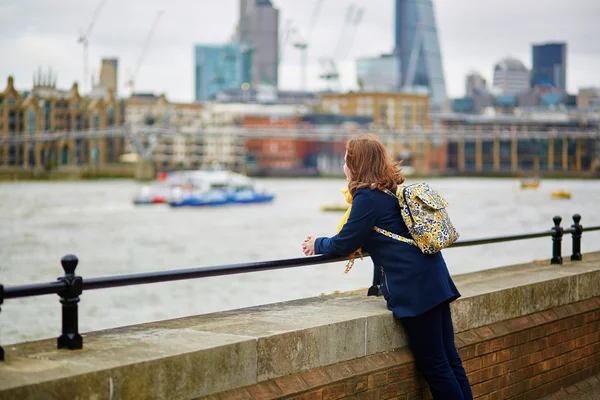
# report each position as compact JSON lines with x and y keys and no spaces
{"x":418,"y":288}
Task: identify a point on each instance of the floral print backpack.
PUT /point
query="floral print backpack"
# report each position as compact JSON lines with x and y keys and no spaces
{"x":423,"y":210}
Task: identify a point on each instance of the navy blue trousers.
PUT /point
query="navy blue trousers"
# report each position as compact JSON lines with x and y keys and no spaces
{"x":431,"y":339}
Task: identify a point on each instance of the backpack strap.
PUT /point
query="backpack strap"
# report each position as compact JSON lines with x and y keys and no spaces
{"x":387,"y":191}
{"x":394,"y":236}
{"x":390,"y":234}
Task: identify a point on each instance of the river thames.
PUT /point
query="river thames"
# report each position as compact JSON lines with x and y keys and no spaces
{"x":96,"y":220}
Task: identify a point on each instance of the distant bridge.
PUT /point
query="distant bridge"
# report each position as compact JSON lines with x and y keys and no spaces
{"x":309,"y":133}
{"x":468,"y":149}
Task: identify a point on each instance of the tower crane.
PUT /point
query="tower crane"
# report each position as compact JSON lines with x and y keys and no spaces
{"x":285,"y":37}
{"x":352,"y":20}
{"x":352,"y":33}
{"x":301,"y":43}
{"x":132,"y":76}
{"x":84,"y":40}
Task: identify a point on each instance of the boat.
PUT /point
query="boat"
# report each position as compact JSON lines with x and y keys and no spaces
{"x":217,"y":188}
{"x":334,"y":207}
{"x":199,"y":198}
{"x":152,"y":194}
{"x":530,"y":183}
{"x":241,"y":189}
{"x":561,"y":194}
{"x":160,"y":191}
{"x":139,"y":201}
{"x":250,"y":196}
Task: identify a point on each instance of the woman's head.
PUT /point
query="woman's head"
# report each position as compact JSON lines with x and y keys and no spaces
{"x":369,"y":165}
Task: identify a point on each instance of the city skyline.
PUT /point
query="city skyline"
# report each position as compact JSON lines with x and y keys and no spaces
{"x":472,"y":37}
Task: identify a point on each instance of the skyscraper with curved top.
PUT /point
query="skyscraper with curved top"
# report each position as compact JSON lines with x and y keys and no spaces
{"x":258,"y":29}
{"x":418,"y":48}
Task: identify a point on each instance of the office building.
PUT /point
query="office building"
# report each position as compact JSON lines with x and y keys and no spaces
{"x":218,"y":67}
{"x":418,"y":47}
{"x":549,"y":65}
{"x":588,"y":97}
{"x":109,"y":74}
{"x":378,"y":74}
{"x":402,"y":111}
{"x":258,"y":28}
{"x":511,"y":77}
{"x":475,"y":83}
{"x":54,"y":112}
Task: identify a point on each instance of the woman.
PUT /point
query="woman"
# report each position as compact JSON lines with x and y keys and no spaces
{"x":418,"y":288}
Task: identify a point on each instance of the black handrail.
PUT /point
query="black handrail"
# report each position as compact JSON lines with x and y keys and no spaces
{"x":70,"y":286}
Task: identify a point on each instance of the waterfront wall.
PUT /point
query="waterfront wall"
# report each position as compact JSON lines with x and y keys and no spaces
{"x":68,"y":172}
{"x":523,"y":331}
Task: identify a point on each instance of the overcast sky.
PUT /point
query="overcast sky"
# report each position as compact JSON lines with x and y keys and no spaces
{"x":474,"y":34}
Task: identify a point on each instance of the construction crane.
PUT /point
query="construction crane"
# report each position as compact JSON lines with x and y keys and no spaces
{"x":346,"y":39}
{"x":286,"y":33}
{"x":132,"y":76}
{"x":331,"y":73}
{"x":301,"y":43}
{"x":352,"y":20}
{"x":84,"y":40}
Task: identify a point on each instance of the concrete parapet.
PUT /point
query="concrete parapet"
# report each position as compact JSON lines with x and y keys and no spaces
{"x":207,"y":354}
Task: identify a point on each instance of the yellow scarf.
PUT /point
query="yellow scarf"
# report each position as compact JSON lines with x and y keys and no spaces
{"x":348,"y":197}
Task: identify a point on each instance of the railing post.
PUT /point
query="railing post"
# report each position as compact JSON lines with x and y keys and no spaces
{"x":375,"y":290}
{"x":1,"y":301}
{"x":576,"y":235}
{"x":69,"y":297}
{"x":557,"y":233}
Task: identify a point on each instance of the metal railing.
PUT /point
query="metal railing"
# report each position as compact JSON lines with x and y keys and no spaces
{"x":70,"y":286}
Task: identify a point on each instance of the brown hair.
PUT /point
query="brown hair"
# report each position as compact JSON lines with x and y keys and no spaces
{"x":370,"y":165}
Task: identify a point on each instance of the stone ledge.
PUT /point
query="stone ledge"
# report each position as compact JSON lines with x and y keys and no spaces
{"x":196,"y":356}
{"x":502,"y":360}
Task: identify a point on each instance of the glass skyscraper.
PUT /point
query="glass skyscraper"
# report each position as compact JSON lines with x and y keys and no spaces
{"x":219,"y":67}
{"x":549,"y":61}
{"x":418,"y":48}
{"x":258,"y":28}
{"x":378,"y":73}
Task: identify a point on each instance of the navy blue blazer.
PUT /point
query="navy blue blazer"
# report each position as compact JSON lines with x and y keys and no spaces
{"x":412,"y":282}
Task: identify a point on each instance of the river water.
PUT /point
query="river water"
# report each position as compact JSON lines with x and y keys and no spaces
{"x":96,"y":220}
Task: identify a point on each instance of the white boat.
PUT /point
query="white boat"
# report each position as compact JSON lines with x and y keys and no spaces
{"x":160,"y":191}
{"x":215,"y":188}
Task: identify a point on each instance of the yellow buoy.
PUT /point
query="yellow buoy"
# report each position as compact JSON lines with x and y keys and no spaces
{"x":530,"y":183}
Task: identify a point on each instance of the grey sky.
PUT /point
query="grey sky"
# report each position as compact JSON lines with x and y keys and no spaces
{"x":474,"y":34}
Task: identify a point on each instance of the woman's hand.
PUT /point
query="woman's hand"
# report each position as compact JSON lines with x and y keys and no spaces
{"x":308,"y":246}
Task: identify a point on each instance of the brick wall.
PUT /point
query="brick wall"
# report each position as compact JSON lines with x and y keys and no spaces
{"x":523,"y":358}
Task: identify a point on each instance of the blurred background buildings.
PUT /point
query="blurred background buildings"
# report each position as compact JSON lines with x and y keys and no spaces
{"x":523,"y":121}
